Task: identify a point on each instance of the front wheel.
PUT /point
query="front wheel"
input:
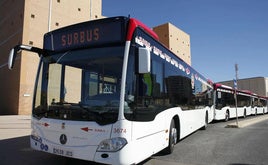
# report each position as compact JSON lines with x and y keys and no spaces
{"x":245,"y":114}
{"x":172,"y":138}
{"x":227,"y":116}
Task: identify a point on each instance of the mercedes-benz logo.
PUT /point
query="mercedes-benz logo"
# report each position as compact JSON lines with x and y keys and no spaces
{"x":63,"y":139}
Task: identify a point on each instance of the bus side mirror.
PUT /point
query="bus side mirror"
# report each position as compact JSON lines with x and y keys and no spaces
{"x":13,"y":53}
{"x":12,"y":57}
{"x":144,"y":60}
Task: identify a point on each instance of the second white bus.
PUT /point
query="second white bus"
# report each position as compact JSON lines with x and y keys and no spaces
{"x":225,"y":106}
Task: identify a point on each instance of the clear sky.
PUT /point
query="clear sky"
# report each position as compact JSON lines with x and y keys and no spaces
{"x":223,"y":32}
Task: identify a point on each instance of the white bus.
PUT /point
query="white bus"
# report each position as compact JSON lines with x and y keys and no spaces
{"x":108,"y":91}
{"x":259,"y":104}
{"x":225,"y":108}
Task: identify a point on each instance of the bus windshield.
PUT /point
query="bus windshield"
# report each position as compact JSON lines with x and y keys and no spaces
{"x":82,"y":85}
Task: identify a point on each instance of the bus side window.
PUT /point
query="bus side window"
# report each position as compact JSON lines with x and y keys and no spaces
{"x":219,"y":95}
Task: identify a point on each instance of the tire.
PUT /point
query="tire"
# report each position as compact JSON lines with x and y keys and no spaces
{"x":172,"y":138}
{"x":227,"y":116}
{"x":245,"y":114}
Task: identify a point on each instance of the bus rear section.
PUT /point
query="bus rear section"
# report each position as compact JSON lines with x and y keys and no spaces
{"x":259,"y":104}
{"x":225,"y":106}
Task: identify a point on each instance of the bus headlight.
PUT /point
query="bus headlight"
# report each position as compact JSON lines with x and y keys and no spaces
{"x":112,"y":145}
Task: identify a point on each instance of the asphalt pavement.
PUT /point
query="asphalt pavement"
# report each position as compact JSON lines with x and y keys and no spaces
{"x":219,"y":145}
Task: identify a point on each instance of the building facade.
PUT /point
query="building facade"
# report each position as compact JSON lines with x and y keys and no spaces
{"x":176,"y":40}
{"x":25,"y":22}
{"x":258,"y":85}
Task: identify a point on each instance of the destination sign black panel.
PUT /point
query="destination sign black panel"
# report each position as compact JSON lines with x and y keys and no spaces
{"x":86,"y":34}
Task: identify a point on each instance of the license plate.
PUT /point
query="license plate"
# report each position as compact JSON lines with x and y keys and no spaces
{"x":62,"y":152}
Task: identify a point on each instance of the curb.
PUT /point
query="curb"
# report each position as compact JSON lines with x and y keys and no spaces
{"x":247,"y":122}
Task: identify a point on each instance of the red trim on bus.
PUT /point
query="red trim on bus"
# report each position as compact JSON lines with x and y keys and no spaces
{"x":210,"y":82}
{"x":217,"y":85}
{"x":134,"y":23}
{"x":246,"y":91}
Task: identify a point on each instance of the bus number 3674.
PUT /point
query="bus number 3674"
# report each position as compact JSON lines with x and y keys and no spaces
{"x":120,"y":130}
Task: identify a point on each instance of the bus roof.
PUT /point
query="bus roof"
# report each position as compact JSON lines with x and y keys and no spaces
{"x":134,"y":23}
{"x":218,"y":85}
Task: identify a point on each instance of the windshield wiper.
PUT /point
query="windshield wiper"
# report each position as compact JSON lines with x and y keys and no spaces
{"x":100,"y":119}
{"x":103,"y":117}
{"x":42,"y":112}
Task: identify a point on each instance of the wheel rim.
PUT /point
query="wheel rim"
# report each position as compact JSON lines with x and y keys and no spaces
{"x":174,"y":136}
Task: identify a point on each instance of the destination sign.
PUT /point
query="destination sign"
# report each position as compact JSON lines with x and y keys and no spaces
{"x":86,"y":34}
{"x":81,"y":37}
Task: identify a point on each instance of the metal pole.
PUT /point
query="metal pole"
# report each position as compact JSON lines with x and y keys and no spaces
{"x":236,"y":87}
{"x":49,"y":15}
{"x":236,"y":108}
{"x":90,"y":10}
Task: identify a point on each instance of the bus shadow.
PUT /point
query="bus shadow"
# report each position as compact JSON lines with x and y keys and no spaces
{"x":18,"y":151}
{"x":15,"y":150}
